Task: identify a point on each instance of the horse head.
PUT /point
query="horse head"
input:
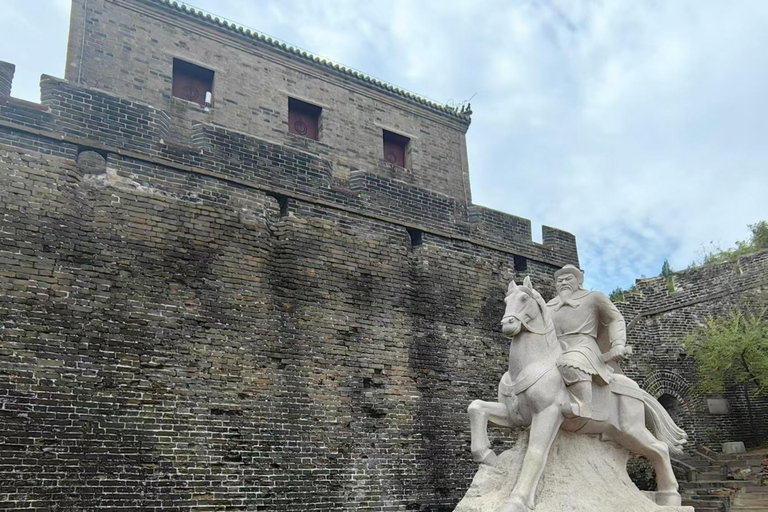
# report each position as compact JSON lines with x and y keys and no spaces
{"x":525,"y":309}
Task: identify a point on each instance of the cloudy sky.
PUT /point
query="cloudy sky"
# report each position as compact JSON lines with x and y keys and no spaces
{"x":641,"y":127}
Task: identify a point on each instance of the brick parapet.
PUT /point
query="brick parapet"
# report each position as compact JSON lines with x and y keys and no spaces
{"x":93,"y":117}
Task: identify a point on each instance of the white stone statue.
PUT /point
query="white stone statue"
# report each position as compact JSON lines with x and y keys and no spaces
{"x":563,"y":374}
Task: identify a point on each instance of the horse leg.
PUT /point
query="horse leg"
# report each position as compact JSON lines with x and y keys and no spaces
{"x":544,"y":428}
{"x":635,"y":437}
{"x":480,"y":414}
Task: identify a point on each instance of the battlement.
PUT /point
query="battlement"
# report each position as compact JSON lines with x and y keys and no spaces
{"x":92,"y":119}
{"x":698,"y":284}
{"x":6,"y":77}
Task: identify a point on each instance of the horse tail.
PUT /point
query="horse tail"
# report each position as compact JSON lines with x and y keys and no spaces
{"x":662,"y":425}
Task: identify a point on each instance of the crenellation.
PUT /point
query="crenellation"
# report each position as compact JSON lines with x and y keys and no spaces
{"x":7,"y":70}
{"x":563,"y":243}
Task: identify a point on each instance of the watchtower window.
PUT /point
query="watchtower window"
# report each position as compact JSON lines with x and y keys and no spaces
{"x":520,"y":262}
{"x":395,"y":148}
{"x":191,"y":82}
{"x":304,"y":119}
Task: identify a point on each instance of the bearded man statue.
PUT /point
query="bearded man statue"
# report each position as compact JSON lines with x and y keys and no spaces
{"x":592,"y":334}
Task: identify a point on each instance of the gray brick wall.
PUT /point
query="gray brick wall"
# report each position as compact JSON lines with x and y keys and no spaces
{"x":202,"y":311}
{"x":87,"y":117}
{"x":660,"y":363}
{"x":220,"y":324}
{"x":170,"y":340}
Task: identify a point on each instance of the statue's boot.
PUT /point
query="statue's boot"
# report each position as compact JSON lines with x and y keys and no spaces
{"x":581,"y":406}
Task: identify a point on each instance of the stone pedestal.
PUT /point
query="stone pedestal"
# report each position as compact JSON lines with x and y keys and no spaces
{"x":583,"y":474}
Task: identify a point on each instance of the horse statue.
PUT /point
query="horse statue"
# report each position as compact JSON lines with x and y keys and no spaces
{"x":533,"y":393}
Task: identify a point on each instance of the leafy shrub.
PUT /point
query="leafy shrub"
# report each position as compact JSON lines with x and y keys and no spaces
{"x":641,"y":472}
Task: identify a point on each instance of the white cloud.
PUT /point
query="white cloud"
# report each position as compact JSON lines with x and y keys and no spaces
{"x":639,"y":126}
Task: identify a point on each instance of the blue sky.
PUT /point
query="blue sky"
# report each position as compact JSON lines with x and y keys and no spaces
{"x":638,"y":126}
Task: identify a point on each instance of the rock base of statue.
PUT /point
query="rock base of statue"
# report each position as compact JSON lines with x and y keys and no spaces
{"x":583,"y":474}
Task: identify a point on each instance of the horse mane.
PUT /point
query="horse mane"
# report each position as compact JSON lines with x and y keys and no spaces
{"x":543,"y":309}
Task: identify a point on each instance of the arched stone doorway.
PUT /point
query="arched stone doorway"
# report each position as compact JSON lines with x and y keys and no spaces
{"x":672,"y":405}
{"x":678,"y":398}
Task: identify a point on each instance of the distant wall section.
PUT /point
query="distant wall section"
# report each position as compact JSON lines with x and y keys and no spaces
{"x":659,"y":320}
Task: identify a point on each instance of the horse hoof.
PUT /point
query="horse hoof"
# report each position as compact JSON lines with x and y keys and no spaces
{"x":515,"y":504}
{"x":667,"y":498}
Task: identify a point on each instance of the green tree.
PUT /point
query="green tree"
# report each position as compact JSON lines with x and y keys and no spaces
{"x":667,"y":273}
{"x":758,"y":240}
{"x":666,"y":269}
{"x":617,"y":295}
{"x":732,"y":349}
{"x":759,"y":234}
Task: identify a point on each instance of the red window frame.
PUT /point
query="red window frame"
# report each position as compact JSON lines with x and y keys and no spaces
{"x":191,"y":82}
{"x":304,"y":119}
{"x":395,"y":148}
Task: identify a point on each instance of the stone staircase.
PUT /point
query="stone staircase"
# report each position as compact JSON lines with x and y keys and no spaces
{"x":721,"y":483}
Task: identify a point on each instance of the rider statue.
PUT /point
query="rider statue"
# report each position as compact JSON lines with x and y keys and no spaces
{"x":592,"y":334}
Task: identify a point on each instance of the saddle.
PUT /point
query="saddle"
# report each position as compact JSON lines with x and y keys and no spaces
{"x":620,"y":385}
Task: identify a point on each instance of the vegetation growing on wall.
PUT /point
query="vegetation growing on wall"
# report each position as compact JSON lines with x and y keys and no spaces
{"x":667,"y":273}
{"x":617,"y":295}
{"x":757,"y":241}
{"x":733,"y":348}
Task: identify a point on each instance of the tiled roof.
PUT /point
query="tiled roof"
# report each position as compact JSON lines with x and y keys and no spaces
{"x":462,"y":114}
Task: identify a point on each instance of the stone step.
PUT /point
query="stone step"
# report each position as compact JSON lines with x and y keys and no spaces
{"x":695,"y":462}
{"x":704,"y":506}
{"x":714,"y":484}
{"x":710,"y":477}
{"x":750,"y":458}
{"x":706,"y":497}
{"x":751,"y":498}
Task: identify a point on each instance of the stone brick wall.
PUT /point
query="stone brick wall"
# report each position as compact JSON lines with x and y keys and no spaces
{"x":659,"y":320}
{"x":128,"y":49}
{"x":201,"y":311}
{"x":222,"y":324}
